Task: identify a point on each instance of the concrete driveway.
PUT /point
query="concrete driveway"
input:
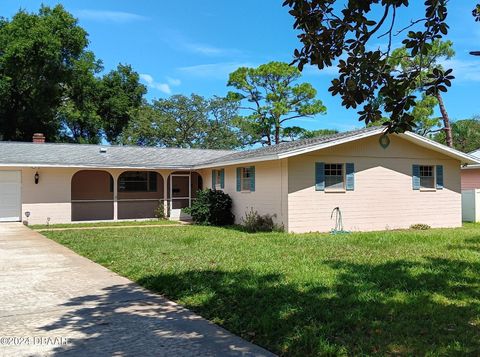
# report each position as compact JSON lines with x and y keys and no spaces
{"x":55,"y":302}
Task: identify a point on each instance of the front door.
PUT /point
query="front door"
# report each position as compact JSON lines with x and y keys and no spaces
{"x":180,"y":194}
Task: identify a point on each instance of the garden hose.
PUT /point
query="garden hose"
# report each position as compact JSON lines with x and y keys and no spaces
{"x":338,"y":221}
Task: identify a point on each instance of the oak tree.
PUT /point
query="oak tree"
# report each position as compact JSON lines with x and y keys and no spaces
{"x":38,"y":52}
{"x":185,"y":122}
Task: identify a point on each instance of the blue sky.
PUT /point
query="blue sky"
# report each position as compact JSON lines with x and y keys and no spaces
{"x":191,"y":46}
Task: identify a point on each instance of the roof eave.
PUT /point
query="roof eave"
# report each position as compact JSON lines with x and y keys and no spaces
{"x":237,"y":162}
{"x":112,"y":167}
{"x":432,"y":145}
{"x":471,"y":167}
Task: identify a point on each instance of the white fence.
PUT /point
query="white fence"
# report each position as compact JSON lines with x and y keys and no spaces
{"x":471,"y":205}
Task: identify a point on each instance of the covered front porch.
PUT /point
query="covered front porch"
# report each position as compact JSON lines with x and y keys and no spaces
{"x":114,"y":194}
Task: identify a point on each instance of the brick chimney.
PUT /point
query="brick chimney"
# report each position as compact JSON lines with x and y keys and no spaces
{"x":38,"y":138}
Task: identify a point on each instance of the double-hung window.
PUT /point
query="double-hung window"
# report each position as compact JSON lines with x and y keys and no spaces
{"x":218,"y":179}
{"x":427,"y":177}
{"x":334,"y":177}
{"x":246,"y":179}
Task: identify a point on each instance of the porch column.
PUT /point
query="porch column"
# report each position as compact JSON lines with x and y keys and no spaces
{"x":190,"y":189}
{"x":165,"y":192}
{"x":115,"y":195}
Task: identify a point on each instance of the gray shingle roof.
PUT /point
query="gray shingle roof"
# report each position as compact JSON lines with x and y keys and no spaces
{"x":81,"y":155}
{"x":291,"y":145}
{"x":115,"y":156}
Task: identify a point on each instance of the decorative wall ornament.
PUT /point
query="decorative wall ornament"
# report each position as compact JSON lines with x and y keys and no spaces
{"x":384,"y":141}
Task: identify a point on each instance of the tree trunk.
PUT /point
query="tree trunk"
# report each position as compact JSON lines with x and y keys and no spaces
{"x":269,"y":138}
{"x":446,"y":121}
{"x":277,"y":135}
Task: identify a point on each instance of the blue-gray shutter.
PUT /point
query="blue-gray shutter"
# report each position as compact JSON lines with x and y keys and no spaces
{"x":319,"y":176}
{"x":239,"y":172}
{"x":350,"y":176}
{"x":222,"y":178}
{"x":252,"y":178}
{"x":416,"y":177}
{"x":213,"y":179}
{"x":439,"y":177}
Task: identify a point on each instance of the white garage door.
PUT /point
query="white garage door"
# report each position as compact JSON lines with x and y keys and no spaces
{"x":10,"y":196}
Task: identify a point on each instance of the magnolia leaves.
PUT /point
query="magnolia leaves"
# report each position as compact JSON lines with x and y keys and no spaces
{"x":344,"y":32}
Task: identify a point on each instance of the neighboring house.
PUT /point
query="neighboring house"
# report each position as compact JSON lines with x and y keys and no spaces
{"x":471,"y":173}
{"x":377,"y":182}
{"x":471,"y":190}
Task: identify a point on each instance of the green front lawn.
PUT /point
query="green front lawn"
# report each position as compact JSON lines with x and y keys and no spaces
{"x":410,"y":293}
{"x":150,"y":222}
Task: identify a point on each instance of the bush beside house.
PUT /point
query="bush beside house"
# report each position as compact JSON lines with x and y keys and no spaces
{"x":211,"y":207}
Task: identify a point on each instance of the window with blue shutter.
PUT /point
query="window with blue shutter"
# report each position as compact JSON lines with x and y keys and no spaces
{"x":246,"y":179}
{"x":222,"y":178}
{"x":319,"y":176}
{"x":416,"y":177}
{"x":439,"y":184}
{"x":350,"y":176}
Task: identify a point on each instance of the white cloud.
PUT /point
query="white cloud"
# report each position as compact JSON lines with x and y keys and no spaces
{"x":180,"y":42}
{"x":203,"y":49}
{"x":109,"y":16}
{"x":219,"y":70}
{"x":208,"y":50}
{"x":174,"y":81}
{"x":162,"y":87}
{"x":463,"y":70}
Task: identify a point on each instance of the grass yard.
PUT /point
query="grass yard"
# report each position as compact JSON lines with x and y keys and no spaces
{"x":409,"y":293}
{"x":151,"y":222}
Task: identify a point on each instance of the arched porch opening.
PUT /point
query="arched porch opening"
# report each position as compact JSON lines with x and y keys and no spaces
{"x":92,"y":195}
{"x":140,"y":194}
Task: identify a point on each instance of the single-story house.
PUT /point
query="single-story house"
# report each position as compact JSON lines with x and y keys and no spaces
{"x":377,"y":181}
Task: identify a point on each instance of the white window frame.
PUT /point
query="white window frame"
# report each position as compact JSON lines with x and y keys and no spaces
{"x":243,"y":179}
{"x":344,"y":183}
{"x":218,"y":179}
{"x":434,"y":177}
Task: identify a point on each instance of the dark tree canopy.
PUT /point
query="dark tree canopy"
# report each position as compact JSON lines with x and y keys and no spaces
{"x":51,"y":83}
{"x":334,"y":31}
{"x":466,"y":135}
{"x":120,"y":94}
{"x":78,"y":112}
{"x":38,"y":53}
{"x":185,"y":122}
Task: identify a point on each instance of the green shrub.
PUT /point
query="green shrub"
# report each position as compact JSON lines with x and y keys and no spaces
{"x":420,"y":227}
{"x":211,"y":207}
{"x":254,"y":222}
{"x":159,"y":211}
